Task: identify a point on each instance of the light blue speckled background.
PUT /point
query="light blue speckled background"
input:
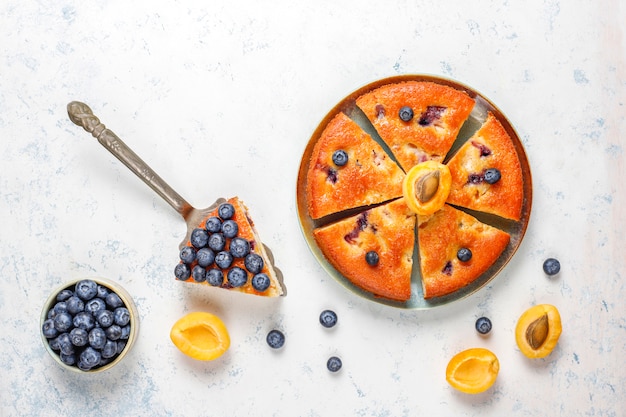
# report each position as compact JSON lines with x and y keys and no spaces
{"x":220,"y":98}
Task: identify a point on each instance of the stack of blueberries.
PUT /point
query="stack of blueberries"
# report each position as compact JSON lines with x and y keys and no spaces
{"x":88,"y":326}
{"x":213,"y":249}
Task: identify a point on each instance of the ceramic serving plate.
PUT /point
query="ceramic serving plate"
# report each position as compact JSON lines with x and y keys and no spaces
{"x":516,"y":229}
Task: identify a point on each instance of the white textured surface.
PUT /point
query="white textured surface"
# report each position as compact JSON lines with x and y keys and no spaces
{"x":221,"y":98}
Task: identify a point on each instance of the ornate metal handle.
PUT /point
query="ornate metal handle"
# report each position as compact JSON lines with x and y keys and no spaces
{"x":82,"y":115}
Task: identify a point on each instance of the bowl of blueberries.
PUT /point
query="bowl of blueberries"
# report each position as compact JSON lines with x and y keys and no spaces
{"x":89,"y":324}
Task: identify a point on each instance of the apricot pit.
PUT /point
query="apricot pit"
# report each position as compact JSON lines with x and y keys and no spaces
{"x":538,"y":330}
{"x":426,"y":187}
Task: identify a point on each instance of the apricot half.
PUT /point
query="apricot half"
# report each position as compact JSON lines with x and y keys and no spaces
{"x":538,"y":330}
{"x":426,"y":187}
{"x":201,"y":335}
{"x":473,"y":371}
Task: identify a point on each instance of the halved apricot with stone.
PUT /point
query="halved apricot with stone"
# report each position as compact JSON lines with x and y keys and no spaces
{"x":473,"y":371}
{"x":201,"y":335}
{"x":538,"y":330}
{"x":426,"y":187}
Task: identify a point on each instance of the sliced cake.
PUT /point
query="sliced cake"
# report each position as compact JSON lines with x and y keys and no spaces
{"x":349,"y":169}
{"x":418,"y":120}
{"x":373,"y":249}
{"x":486,"y":173}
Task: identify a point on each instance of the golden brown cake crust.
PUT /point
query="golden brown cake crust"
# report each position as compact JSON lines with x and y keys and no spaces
{"x":248,"y":232}
{"x":439,"y":112}
{"x":390,"y":231}
{"x":441,"y":235}
{"x":489,"y":147}
{"x":369,"y":177}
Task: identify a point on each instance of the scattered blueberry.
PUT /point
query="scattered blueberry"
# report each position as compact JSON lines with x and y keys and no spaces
{"x":187,"y":254}
{"x":213,"y":224}
{"x":483,"y":325}
{"x":333,"y":364}
{"x":198,"y":273}
{"x":217,"y":242}
{"x":261,"y":282}
{"x":86,"y":289}
{"x":105,"y":318}
{"x":328,"y":318}
{"x":205,"y":257}
{"x":275,"y":339}
{"x":340,"y":157}
{"x":223,"y":259}
{"x":254,"y":263}
{"x":97,"y":338}
{"x":372,"y":258}
{"x":237,"y":277}
{"x":182,"y":272}
{"x":406,"y":114}
{"x":95,"y":305}
{"x":239,"y":247}
{"x":48,"y":329}
{"x":230,"y":229}
{"x":79,"y":337}
{"x":226,"y":211}
{"x":199,"y":238}
{"x":464,"y":254}
{"x":215,"y":277}
{"x":551,"y":266}
{"x":492,"y":175}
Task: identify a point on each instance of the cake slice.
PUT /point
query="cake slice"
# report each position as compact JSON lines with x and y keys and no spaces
{"x":418,"y":120}
{"x":486,"y":173}
{"x":349,"y":169}
{"x":373,"y":249}
{"x":225,"y":251}
{"x":455,"y":249}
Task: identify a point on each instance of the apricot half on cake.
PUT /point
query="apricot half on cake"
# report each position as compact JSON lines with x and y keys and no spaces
{"x":538,"y":330}
{"x":473,"y":371}
{"x":201,"y":335}
{"x":426,"y":187}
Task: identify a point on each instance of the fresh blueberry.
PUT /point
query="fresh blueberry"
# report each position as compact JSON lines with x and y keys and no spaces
{"x":182,"y":272}
{"x":464,"y":254}
{"x":405,"y":114}
{"x":69,"y":360}
{"x":199,"y":238}
{"x":121,"y":344}
{"x":63,"y":322}
{"x":551,"y":266}
{"x":483,"y":325}
{"x":239,"y":247}
{"x":74,"y":305}
{"x":230,"y":228}
{"x":97,"y":338}
{"x":205,"y":257}
{"x":333,"y":364}
{"x":237,"y":277}
{"x":215,"y":277}
{"x":217,"y":242}
{"x":223,"y":259}
{"x":84,"y":320}
{"x":340,"y":157}
{"x":328,"y":318}
{"x":104,"y":318}
{"x":86,"y":289}
{"x":60,"y":307}
{"x":372,"y":258}
{"x":48,"y":329}
{"x":89,"y":358}
{"x":79,"y":337}
{"x":213,"y":224}
{"x":226,"y":211}
{"x":198,"y":273}
{"x":125,"y":332}
{"x":95,"y":305}
{"x":275,"y":339}
{"x":109,"y":350}
{"x":113,"y":332}
{"x":492,"y":175}
{"x":64,"y":295}
{"x":114,"y":301}
{"x":187,"y":254}
{"x":54,"y":344}
{"x":254,"y":263}
{"x":65,"y":344}
{"x":51,"y":314}
{"x":102,"y":292}
{"x":261,"y":282}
